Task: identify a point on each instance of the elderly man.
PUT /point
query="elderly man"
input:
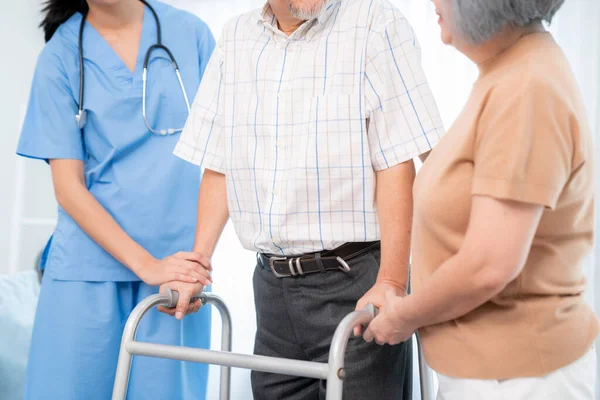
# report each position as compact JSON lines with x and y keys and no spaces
{"x":307,"y":121}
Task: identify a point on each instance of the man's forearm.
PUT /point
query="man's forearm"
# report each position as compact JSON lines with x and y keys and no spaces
{"x":395,"y":207}
{"x":212,"y":212}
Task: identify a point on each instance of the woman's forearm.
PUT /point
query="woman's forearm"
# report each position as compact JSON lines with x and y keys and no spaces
{"x":457,"y":287}
{"x":492,"y":254}
{"x":92,"y":217}
{"x":99,"y":225}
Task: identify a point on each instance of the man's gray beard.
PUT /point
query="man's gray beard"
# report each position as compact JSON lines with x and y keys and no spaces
{"x":305,"y":15}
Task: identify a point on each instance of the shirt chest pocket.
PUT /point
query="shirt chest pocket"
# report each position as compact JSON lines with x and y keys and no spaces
{"x":333,"y":140}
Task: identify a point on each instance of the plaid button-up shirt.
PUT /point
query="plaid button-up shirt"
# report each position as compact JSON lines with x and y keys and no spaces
{"x":300,"y":124}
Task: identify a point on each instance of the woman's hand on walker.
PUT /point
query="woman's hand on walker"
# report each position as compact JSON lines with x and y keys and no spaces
{"x":186,"y":292}
{"x":188,"y":267}
{"x":377,"y":297}
{"x":390,"y":326}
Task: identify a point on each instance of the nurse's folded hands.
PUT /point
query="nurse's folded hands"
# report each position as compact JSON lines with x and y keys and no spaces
{"x":186,"y":292}
{"x":189,"y":267}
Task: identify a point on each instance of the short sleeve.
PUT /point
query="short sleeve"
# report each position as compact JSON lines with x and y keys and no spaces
{"x":201,"y":141}
{"x":404,"y":120}
{"x":524,"y":146}
{"x":50,"y":130}
{"x":206,"y":45}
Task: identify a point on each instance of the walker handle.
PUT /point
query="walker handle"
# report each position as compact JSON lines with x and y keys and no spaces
{"x":374,"y":311}
{"x":174,"y":297}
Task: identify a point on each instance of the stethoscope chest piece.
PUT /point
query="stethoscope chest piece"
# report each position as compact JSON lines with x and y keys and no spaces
{"x":81,"y":118}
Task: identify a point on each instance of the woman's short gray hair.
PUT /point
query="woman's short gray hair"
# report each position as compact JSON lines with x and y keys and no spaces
{"x":479,"y":20}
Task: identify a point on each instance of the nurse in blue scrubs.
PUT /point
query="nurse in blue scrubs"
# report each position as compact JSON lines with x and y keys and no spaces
{"x":127,"y":208}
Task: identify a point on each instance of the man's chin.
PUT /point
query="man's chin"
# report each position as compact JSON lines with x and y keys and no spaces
{"x":302,"y":11}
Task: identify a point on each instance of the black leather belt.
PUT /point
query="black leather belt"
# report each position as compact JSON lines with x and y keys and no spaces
{"x":328,"y":260}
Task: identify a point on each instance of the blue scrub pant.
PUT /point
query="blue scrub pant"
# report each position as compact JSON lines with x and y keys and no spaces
{"x":76,"y":339}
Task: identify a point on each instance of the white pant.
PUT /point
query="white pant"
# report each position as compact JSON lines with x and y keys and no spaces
{"x":573,"y":382}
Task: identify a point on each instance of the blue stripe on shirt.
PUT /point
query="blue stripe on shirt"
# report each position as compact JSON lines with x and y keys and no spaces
{"x":327,"y":48}
{"x":362,"y":133}
{"x":233,"y":119}
{"x":277,"y":151}
{"x":318,"y":177}
{"x":256,"y":147}
{"x":406,"y":88}
{"x":212,"y":124}
{"x":387,"y":165}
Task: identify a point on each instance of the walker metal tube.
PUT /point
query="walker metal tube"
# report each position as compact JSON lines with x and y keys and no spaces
{"x":424,"y":375}
{"x":168,"y":299}
{"x":226,"y":335}
{"x":129,"y":332}
{"x":256,"y":363}
{"x":226,"y":340}
{"x":333,"y":372}
{"x":335,"y":379}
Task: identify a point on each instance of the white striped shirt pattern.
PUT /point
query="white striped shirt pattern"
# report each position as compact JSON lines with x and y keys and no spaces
{"x":301,"y":124}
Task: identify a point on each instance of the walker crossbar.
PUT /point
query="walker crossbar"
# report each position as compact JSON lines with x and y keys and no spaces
{"x":257,"y":363}
{"x":333,"y":371}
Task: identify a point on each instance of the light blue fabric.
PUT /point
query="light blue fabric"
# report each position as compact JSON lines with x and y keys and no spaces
{"x":76,"y":338}
{"x":87,"y":295}
{"x":130,"y":171}
{"x":18,"y":299}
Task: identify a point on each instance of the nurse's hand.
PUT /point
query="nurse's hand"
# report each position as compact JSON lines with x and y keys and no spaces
{"x":186,"y":292}
{"x":183,"y":266}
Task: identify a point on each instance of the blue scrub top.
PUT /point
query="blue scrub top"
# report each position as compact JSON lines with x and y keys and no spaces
{"x":151,"y":193}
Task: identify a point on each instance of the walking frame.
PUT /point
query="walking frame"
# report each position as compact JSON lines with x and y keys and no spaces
{"x":333,"y":371}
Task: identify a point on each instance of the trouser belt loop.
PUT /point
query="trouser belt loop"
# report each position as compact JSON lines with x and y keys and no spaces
{"x":320,"y":262}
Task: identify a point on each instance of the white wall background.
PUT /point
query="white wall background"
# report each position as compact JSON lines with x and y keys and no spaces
{"x":23,"y":187}
{"x":27,"y":206}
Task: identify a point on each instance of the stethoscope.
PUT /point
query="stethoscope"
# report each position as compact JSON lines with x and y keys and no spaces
{"x":81,"y":116}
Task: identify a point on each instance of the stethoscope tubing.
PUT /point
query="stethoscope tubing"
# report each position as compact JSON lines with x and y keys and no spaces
{"x":81,"y":115}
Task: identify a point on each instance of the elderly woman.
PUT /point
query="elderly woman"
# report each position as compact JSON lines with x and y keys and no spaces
{"x":503,"y":219}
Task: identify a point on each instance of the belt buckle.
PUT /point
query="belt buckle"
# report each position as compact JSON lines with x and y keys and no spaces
{"x":272,"y":261}
{"x":343,"y":265}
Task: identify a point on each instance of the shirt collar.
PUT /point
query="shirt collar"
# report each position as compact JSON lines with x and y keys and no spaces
{"x":266,"y":16}
{"x":328,"y":9}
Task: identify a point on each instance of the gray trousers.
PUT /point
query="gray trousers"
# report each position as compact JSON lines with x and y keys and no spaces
{"x":297,"y":317}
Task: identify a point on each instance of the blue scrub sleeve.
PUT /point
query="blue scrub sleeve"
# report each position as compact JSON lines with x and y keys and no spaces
{"x":206,"y":45}
{"x":50,"y":130}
